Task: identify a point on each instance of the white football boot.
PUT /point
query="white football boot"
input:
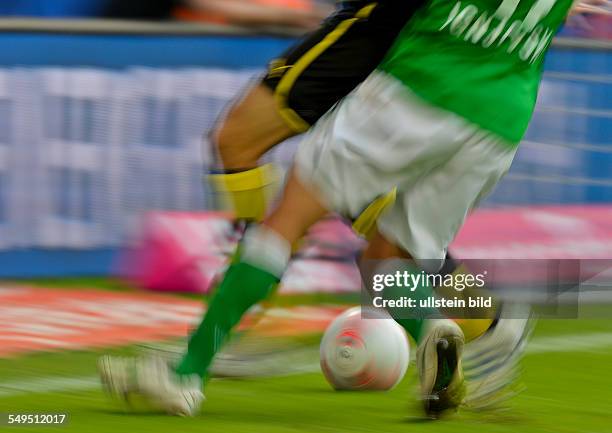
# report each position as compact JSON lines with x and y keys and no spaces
{"x":492,"y":361}
{"x":439,"y":365}
{"x":152,"y":379}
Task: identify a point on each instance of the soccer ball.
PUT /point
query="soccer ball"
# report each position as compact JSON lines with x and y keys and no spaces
{"x":364,"y":353}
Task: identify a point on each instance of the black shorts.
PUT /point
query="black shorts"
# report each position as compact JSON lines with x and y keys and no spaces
{"x":313,"y":75}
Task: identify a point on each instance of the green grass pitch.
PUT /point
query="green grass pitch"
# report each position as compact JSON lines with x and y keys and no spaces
{"x":567,"y":378}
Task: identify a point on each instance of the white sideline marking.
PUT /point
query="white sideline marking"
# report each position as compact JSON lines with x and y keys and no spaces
{"x":570,"y":343}
{"x":42,"y":385}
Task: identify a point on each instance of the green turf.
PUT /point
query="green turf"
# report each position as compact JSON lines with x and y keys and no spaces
{"x":118,"y":285}
{"x":104,"y":283}
{"x":568,"y":391}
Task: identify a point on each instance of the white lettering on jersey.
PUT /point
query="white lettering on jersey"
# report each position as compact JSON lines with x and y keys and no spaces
{"x":527,"y":37}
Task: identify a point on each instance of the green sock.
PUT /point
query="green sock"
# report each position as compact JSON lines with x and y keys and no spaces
{"x":413,"y":322}
{"x":243,"y":285}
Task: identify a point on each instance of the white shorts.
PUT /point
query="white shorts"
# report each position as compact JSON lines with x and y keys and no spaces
{"x":383,"y":136}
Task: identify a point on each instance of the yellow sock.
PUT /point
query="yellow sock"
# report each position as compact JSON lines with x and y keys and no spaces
{"x":247,"y":193}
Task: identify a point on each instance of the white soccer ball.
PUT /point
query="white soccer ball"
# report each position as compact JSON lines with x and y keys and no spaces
{"x":364,"y":353}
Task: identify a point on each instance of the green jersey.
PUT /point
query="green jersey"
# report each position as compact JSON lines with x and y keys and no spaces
{"x":481,"y":59}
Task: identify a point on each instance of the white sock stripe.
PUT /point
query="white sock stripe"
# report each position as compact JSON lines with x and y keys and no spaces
{"x":264,"y":248}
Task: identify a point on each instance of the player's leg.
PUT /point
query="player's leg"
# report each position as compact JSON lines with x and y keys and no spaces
{"x":439,"y":341}
{"x":252,"y":276}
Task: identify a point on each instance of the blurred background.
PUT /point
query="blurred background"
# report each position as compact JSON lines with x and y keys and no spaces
{"x":104,"y":108}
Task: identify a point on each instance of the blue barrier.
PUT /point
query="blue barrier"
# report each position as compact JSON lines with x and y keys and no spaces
{"x":124,"y":51}
{"x":55,"y":8}
{"x":567,"y":153}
